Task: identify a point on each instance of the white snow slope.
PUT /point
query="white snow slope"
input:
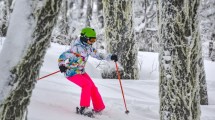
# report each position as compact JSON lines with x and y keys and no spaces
{"x":55,"y":98}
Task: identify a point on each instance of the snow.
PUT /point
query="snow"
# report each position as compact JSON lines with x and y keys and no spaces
{"x":55,"y":98}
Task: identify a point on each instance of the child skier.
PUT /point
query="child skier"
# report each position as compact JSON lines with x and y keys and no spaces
{"x":74,"y":70}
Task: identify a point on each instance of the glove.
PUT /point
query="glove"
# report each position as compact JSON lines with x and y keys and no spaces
{"x":114,"y":58}
{"x":62,"y":68}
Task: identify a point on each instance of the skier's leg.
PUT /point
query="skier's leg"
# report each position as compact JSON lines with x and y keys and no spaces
{"x":97,"y":101}
{"x":86,"y":85}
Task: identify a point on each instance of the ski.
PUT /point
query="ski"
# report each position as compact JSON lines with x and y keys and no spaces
{"x":88,"y":114}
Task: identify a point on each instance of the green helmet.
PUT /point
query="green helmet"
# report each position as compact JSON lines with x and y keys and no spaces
{"x":88,"y":32}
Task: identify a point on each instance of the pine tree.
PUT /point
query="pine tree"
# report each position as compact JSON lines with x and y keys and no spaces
{"x":180,"y":60}
{"x":119,"y":35}
{"x":23,"y":75}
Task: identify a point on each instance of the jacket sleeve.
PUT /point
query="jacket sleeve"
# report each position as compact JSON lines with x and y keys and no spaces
{"x":63,"y":57}
{"x":100,"y":56}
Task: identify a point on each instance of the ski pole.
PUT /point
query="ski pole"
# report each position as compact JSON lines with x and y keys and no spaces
{"x":48,"y":75}
{"x":118,"y":74}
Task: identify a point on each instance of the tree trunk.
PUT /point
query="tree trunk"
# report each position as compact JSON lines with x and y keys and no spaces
{"x":145,"y":16}
{"x":89,"y":12}
{"x":180,"y":60}
{"x":202,"y":82}
{"x":24,"y":74}
{"x":62,"y":26}
{"x":100,"y":13}
{"x":119,"y":34}
{"x":81,"y":9}
{"x":4,"y":18}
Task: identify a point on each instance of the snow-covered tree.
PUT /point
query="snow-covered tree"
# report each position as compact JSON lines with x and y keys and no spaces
{"x":64,"y":20}
{"x":81,"y":8}
{"x":4,"y":17}
{"x":23,"y":53}
{"x":145,"y":25}
{"x":61,"y":30}
{"x":202,"y":81}
{"x":207,"y":27}
{"x":181,"y":64}
{"x":119,"y":35}
{"x":100,"y":13}
{"x":89,"y":12}
{"x":207,"y":16}
{"x":72,"y":19}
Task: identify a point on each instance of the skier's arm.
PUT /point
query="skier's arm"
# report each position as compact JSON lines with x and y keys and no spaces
{"x":100,"y":56}
{"x":63,"y":57}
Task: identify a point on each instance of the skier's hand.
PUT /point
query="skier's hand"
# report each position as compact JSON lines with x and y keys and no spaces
{"x":114,"y":57}
{"x":62,"y":68}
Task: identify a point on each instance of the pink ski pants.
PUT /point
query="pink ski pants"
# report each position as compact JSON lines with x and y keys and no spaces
{"x":89,"y":91}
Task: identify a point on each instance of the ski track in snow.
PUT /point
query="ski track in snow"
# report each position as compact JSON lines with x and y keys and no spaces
{"x":59,"y":97}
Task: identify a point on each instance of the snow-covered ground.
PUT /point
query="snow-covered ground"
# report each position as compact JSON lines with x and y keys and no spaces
{"x":55,"y":98}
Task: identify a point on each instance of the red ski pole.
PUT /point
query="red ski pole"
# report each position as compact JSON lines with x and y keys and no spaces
{"x":118,"y":74}
{"x":48,"y":75}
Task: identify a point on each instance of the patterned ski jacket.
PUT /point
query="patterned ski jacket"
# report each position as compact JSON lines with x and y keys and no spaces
{"x":76,"y":57}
